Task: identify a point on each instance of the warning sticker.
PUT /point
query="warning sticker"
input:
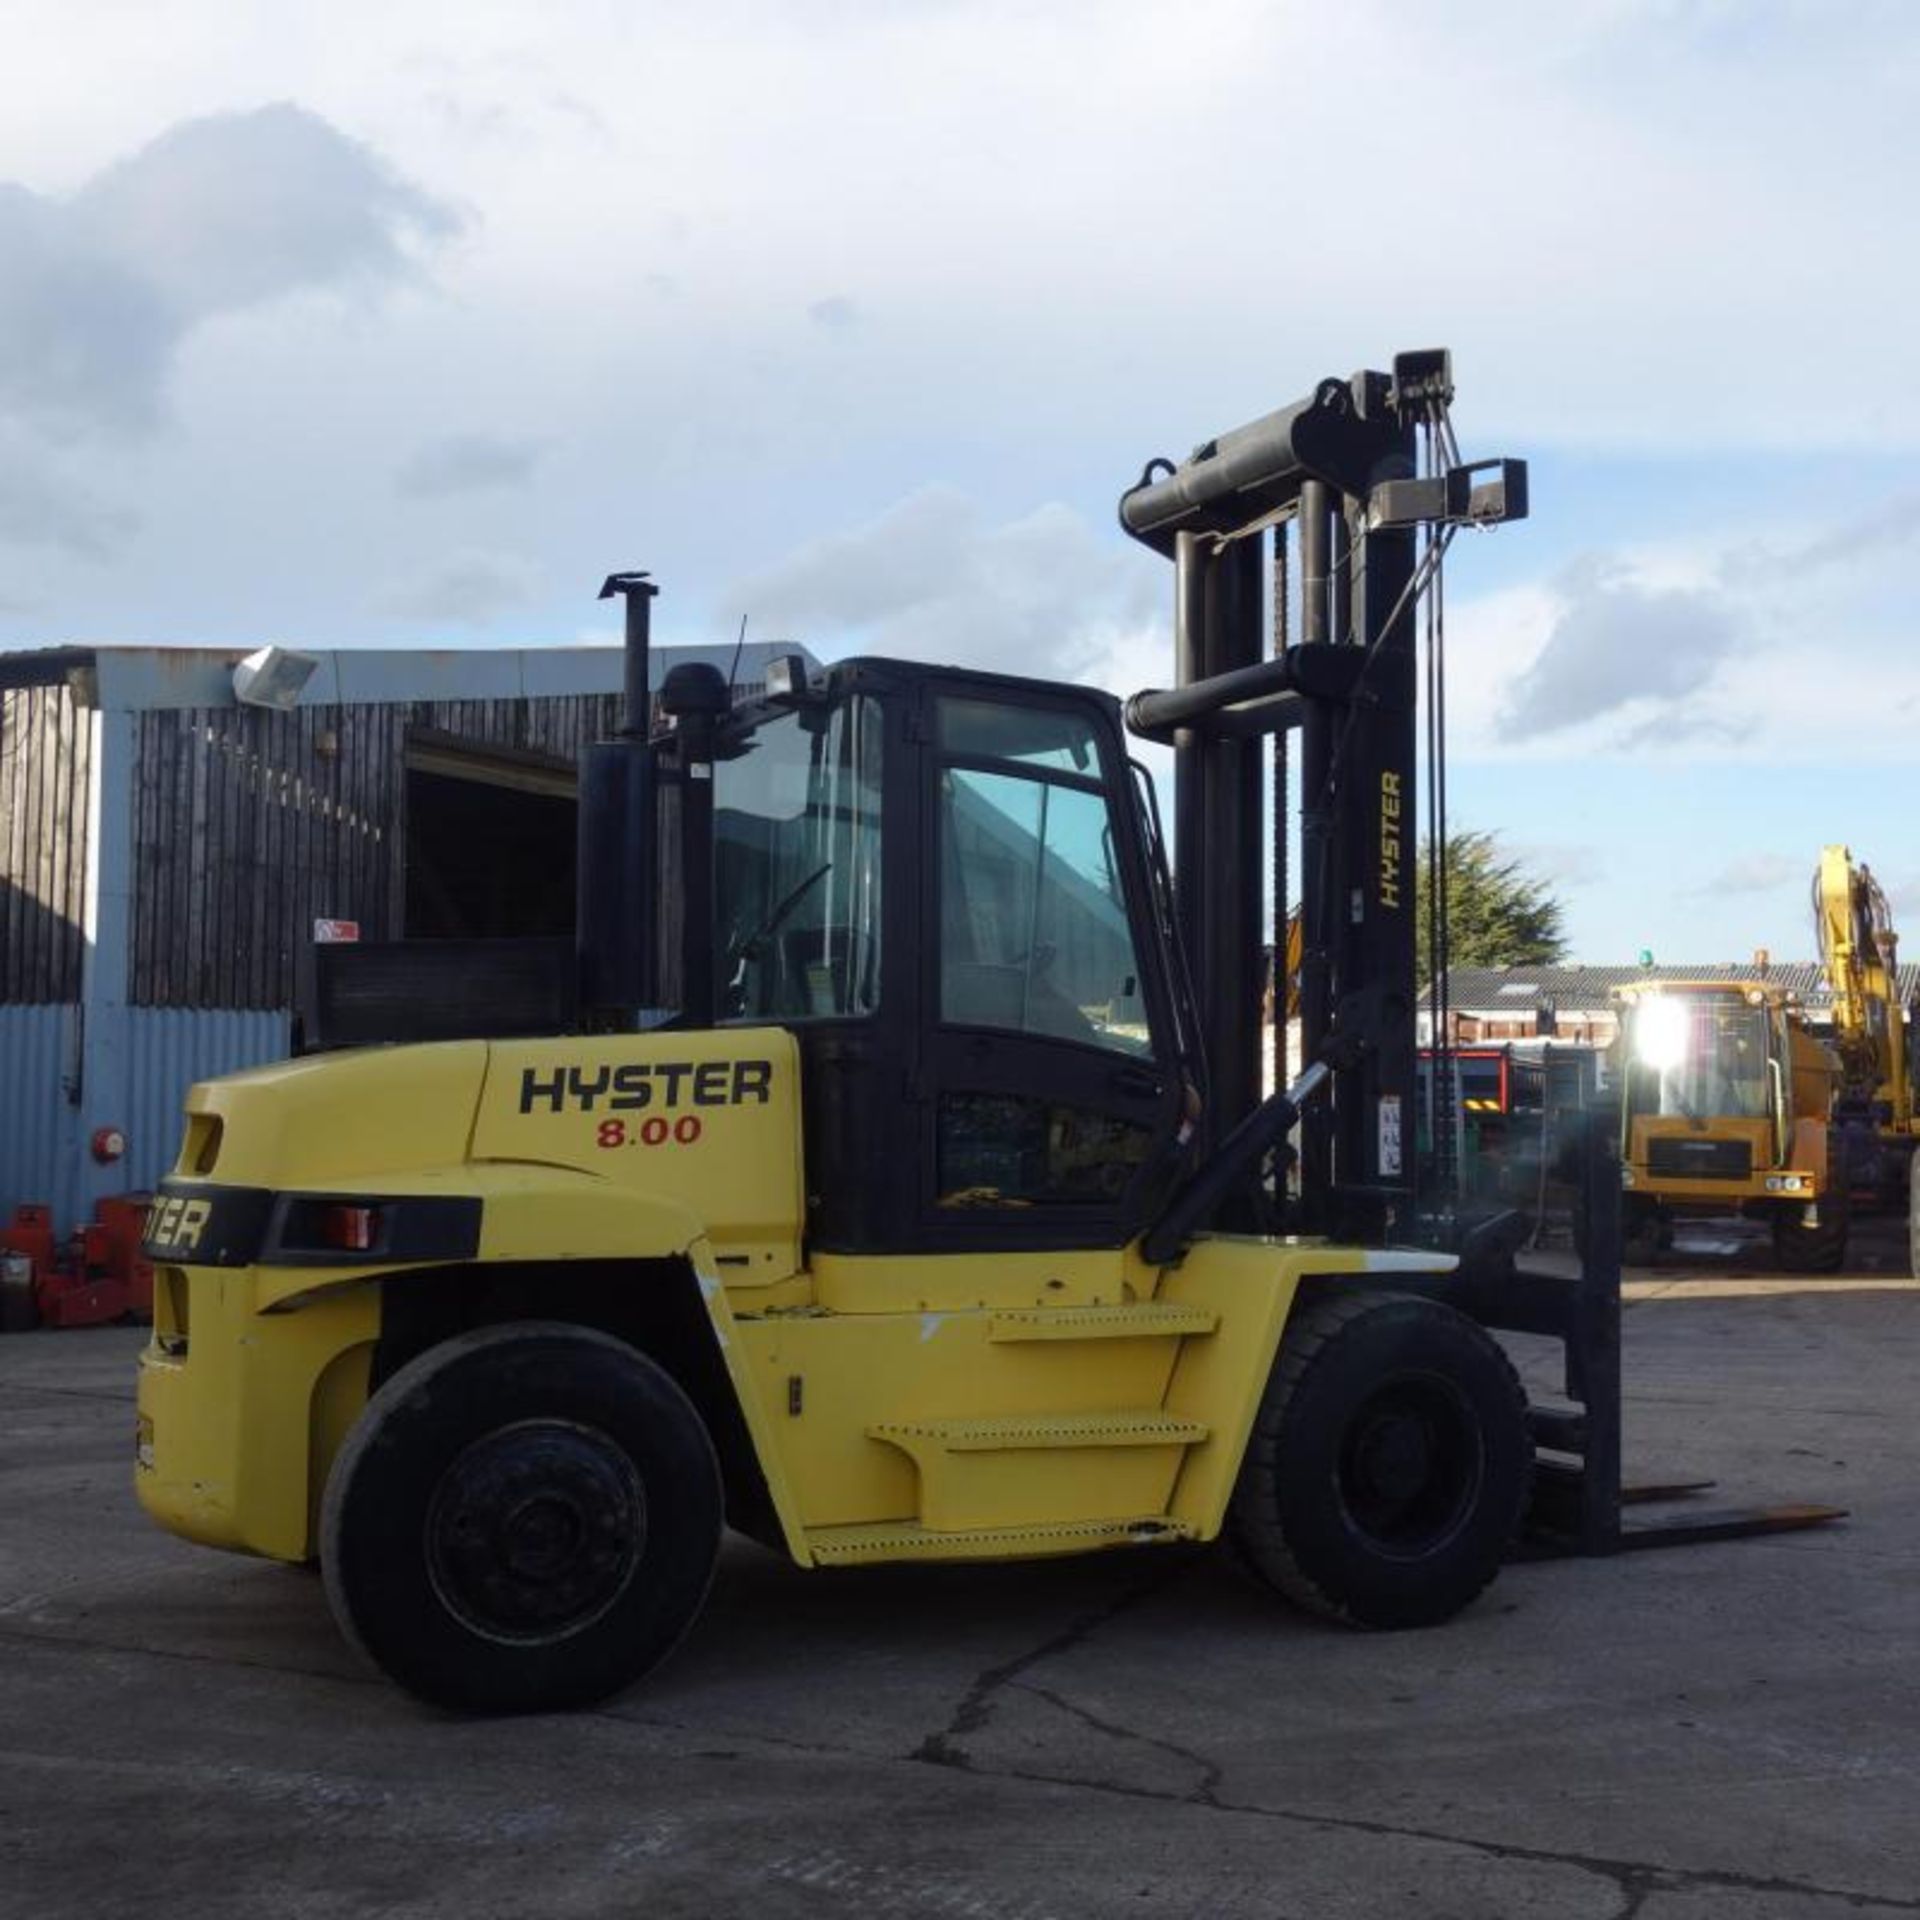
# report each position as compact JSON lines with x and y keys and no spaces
{"x":1389,"y":1135}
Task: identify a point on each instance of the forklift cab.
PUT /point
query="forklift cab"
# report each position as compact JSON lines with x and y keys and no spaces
{"x":948,"y":887}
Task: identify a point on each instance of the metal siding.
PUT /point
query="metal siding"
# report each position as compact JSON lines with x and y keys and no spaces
{"x":43,"y":1152}
{"x":35,"y":1128}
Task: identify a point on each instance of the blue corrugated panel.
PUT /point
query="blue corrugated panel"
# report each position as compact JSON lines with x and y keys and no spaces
{"x":35,"y":1126}
{"x":44,"y":1151}
{"x":172,"y":1047}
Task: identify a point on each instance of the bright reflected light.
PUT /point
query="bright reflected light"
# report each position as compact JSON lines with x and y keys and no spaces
{"x":1660,"y":1034}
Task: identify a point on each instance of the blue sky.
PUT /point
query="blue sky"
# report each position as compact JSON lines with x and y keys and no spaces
{"x":398,"y":325}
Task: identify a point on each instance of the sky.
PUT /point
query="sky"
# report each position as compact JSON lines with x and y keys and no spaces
{"x":402,"y":325}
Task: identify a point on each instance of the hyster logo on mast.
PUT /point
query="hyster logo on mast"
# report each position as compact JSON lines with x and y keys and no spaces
{"x":1390,"y":840}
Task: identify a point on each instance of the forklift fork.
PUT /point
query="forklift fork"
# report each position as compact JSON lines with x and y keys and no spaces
{"x":1579,"y":1498}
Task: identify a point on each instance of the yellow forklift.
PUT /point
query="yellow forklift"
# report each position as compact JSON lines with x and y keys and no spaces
{"x":1725,"y":1107}
{"x":884,"y":1169}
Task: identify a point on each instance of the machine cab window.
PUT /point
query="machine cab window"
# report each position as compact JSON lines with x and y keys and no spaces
{"x":797,"y":868}
{"x":1046,"y":1101}
{"x":1034,"y":932}
{"x":1695,"y":1054}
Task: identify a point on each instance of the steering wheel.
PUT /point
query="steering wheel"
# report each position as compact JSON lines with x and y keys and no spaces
{"x":751,"y":949}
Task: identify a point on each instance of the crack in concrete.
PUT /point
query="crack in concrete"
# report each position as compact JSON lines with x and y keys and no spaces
{"x":1206,"y":1794}
{"x":943,"y":1749}
{"x":192,"y":1656}
{"x":1636,"y":1880}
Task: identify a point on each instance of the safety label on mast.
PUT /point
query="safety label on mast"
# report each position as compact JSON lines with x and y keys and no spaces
{"x":1389,"y":1135}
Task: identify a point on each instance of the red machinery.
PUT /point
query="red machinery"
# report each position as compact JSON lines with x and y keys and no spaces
{"x":96,"y":1275}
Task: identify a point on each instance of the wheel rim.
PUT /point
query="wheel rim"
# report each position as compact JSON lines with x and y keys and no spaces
{"x":1411,"y":1465}
{"x":535,"y":1531}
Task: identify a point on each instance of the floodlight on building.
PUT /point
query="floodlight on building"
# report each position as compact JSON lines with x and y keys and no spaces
{"x":273,"y":677}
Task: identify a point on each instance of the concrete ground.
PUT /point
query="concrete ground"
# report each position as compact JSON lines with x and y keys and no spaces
{"x":1730,"y":1730}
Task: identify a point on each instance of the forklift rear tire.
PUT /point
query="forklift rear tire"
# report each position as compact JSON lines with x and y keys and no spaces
{"x":523,"y":1518}
{"x":1798,"y":1248}
{"x":1389,"y":1464}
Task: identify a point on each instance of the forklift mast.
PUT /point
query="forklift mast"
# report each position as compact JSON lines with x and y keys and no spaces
{"x":1363,"y":480}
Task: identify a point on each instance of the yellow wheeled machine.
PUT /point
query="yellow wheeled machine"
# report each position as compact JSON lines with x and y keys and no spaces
{"x":884,"y":1170}
{"x":1725,"y":1104}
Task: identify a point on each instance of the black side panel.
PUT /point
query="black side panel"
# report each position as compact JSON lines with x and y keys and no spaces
{"x":361,"y":993}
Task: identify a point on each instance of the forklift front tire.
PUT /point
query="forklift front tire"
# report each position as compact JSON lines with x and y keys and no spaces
{"x":1389,"y":1464}
{"x":524,"y":1518}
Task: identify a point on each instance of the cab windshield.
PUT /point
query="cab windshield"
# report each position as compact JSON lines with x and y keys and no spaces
{"x":797,"y":866}
{"x":1692,"y":1055}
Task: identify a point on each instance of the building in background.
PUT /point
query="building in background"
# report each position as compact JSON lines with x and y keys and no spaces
{"x":1576,"y":1005}
{"x":167,"y":847}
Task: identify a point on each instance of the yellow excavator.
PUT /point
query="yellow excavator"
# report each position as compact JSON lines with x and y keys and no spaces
{"x":1725,"y":1103}
{"x":1874,"y":1102}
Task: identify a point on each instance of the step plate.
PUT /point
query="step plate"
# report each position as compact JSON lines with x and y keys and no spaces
{"x":1144,"y":1320}
{"x":1045,"y":1432}
{"x":902,"y":1540}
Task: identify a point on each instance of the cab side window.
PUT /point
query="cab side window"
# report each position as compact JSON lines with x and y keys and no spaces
{"x":797,"y":867}
{"x":1034,"y":935}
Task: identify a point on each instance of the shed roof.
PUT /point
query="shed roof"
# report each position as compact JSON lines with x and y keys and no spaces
{"x":1578,"y":989}
{"x":141,"y":679}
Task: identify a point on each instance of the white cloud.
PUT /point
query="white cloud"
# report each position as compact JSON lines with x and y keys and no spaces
{"x":466,"y":463}
{"x":836,"y":313}
{"x":216,"y":215}
{"x":471,"y":589}
{"x":1767,"y":647}
{"x":1757,"y":873}
{"x":38,"y":508}
{"x":931,"y":579}
{"x":1616,"y":643}
{"x":1572,"y":863}
{"x":760,"y":268}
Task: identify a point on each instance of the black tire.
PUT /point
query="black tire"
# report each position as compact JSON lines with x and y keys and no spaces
{"x":1642,"y":1235}
{"x":523,"y":1518}
{"x":1913,"y":1215}
{"x":19,"y":1312}
{"x":1798,"y":1248}
{"x":1389,"y":1464}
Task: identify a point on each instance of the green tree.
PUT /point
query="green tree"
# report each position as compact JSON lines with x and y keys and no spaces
{"x":1498,"y":914}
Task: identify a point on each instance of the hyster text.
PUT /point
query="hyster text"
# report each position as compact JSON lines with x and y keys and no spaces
{"x":668,"y":1084}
